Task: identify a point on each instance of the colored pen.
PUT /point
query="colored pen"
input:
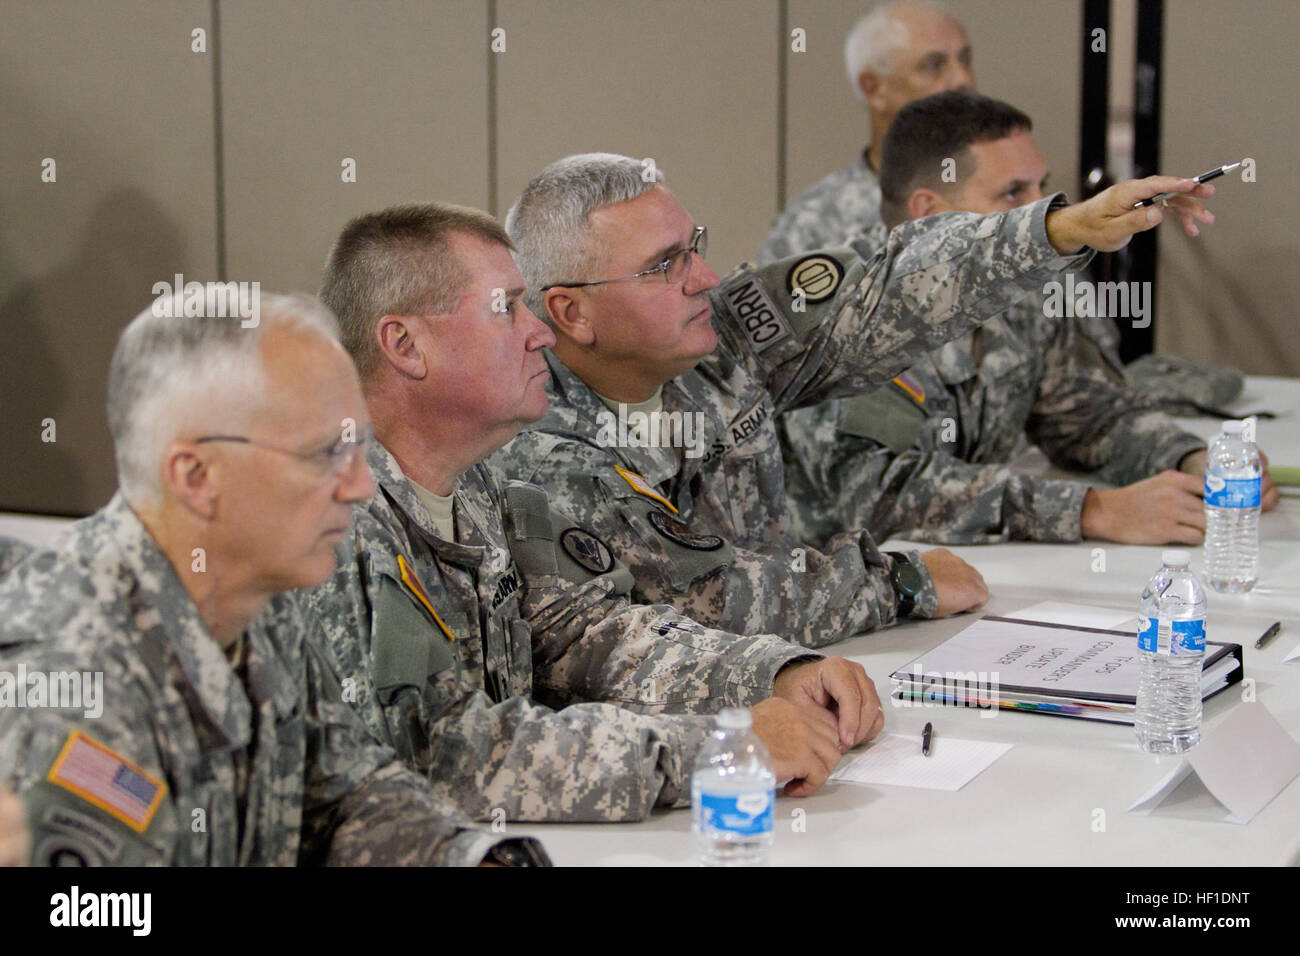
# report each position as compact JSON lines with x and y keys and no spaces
{"x":926,"y":734}
{"x":1203,"y":178}
{"x":1268,"y":635}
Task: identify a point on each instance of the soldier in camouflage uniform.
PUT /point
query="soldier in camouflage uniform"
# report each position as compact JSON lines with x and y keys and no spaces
{"x":487,"y":637}
{"x":925,"y":457}
{"x":896,"y":53}
{"x":706,"y":528}
{"x":220,"y":736}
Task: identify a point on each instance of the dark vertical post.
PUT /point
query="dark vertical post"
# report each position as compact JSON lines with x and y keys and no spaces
{"x":1146,"y":161}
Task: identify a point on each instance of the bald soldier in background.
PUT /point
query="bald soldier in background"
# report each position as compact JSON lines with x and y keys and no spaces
{"x":489,"y":637}
{"x":642,"y":324}
{"x":216,"y":733}
{"x":898,"y":52}
{"x":925,"y":457}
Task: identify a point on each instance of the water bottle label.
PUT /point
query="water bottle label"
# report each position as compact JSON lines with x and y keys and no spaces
{"x":1149,"y":635}
{"x":746,"y":814}
{"x":1187,"y":637}
{"x":1232,"y":492}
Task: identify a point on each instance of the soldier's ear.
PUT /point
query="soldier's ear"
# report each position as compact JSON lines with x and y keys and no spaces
{"x":396,"y":343}
{"x":926,"y":202}
{"x":567,"y":316}
{"x":872,"y":86}
{"x":188,"y":477}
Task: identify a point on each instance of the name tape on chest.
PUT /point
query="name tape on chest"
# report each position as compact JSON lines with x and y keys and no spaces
{"x":747,"y":425}
{"x":676,"y":530}
{"x":817,"y":277}
{"x":763,"y":324}
{"x":587,"y":550}
{"x":106,"y":779}
{"x":509,"y":584}
{"x":643,"y":486}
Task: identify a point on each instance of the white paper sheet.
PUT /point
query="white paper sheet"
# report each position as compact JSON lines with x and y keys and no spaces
{"x":896,"y":760}
{"x":1293,"y":656}
{"x":1244,"y":763}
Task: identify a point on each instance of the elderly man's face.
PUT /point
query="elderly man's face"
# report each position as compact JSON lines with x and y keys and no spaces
{"x":662,"y":327}
{"x":935,"y":57}
{"x":484,"y":359}
{"x":282,"y":507}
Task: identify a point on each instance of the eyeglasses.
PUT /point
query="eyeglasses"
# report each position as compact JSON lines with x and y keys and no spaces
{"x":332,"y":461}
{"x":674,"y":268}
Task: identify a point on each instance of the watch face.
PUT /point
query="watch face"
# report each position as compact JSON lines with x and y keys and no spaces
{"x":905,"y":577}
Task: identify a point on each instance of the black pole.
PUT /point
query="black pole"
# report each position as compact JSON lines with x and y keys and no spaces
{"x":1135,"y":342}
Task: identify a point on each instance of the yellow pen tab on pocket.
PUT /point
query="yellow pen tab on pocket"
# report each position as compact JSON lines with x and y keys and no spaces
{"x":413,"y":585}
{"x":643,"y":486}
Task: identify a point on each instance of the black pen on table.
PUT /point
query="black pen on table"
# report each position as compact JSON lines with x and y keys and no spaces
{"x":1203,"y":178}
{"x":1268,"y":635}
{"x":926,"y":735}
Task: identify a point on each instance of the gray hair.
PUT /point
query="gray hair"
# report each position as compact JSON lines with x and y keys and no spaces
{"x":873,"y":40}
{"x":174,"y":374}
{"x":548,"y":223}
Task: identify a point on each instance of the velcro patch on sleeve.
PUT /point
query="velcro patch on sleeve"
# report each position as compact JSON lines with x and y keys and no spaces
{"x":761,"y":321}
{"x":106,"y":779}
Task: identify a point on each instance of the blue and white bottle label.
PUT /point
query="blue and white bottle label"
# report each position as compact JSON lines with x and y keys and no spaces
{"x":1149,"y":635}
{"x":1185,"y":637}
{"x":745,"y":814}
{"x":1232,"y":492}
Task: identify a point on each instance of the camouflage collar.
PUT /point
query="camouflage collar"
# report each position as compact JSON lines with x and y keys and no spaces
{"x":212,"y":692}
{"x":400,"y":507}
{"x":576,"y":412}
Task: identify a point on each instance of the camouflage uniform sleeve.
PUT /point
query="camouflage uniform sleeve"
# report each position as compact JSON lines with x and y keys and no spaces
{"x":859,"y":323}
{"x":69,"y":826}
{"x":361,"y":807}
{"x":809,"y":597}
{"x":590,"y":643}
{"x":1087,"y":415}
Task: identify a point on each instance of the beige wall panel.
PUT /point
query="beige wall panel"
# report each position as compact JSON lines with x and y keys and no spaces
{"x":114,"y":94}
{"x":1026,"y":52}
{"x":399,"y":87}
{"x":693,"y":85}
{"x":1230,"y":90}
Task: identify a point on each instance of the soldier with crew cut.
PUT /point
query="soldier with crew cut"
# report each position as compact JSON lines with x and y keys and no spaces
{"x":488,"y":636}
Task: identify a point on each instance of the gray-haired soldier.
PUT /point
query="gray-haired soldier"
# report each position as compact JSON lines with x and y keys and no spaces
{"x":640,"y":319}
{"x":896,"y":53}
{"x":470,"y":615}
{"x":196,"y":720}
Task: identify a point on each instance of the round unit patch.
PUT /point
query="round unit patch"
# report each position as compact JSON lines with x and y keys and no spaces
{"x":817,"y":276}
{"x":587,"y":550}
{"x":675,"y":530}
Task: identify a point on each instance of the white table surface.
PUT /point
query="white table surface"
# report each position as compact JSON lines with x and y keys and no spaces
{"x":1039,"y":803}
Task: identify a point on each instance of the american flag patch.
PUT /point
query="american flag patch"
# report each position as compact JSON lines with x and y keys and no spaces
{"x":107,"y":780}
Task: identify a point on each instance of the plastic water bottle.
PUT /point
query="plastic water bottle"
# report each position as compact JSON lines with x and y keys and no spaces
{"x":733,"y":795}
{"x":1232,"y":485}
{"x":1171,"y":644}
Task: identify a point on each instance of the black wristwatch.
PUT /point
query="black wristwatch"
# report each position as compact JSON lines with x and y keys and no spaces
{"x":522,"y":852}
{"x":907,"y":582}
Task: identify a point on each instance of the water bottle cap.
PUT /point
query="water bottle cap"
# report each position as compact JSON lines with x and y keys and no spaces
{"x":734,"y":718}
{"x":1234,"y":427}
{"x":1176,"y":558}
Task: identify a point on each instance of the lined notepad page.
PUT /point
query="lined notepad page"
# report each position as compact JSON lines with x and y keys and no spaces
{"x":896,"y":760}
